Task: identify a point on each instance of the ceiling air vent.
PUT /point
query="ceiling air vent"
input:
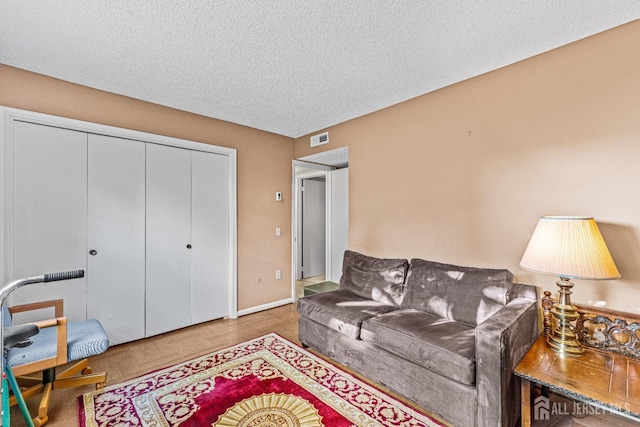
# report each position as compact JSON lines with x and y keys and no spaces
{"x":320,"y":139}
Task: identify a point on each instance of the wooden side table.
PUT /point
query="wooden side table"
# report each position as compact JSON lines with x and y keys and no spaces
{"x":600,"y":380}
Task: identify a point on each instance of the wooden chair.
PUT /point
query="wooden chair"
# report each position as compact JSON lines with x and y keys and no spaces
{"x":59,"y":352}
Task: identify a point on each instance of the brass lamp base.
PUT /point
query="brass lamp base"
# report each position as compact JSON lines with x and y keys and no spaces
{"x":564,"y":339}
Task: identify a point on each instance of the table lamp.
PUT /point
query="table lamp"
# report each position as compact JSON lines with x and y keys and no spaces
{"x":571,"y":248}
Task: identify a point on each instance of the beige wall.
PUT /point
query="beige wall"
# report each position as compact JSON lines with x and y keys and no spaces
{"x":462,"y":175}
{"x":264,"y":167}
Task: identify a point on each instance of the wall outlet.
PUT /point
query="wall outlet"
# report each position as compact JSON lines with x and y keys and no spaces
{"x":277,"y":231}
{"x":278,"y":274}
{"x":259,"y":279}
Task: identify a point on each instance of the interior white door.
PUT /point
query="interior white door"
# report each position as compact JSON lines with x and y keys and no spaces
{"x":168,"y":226}
{"x":116,"y":236}
{"x":210,"y":236}
{"x":49,"y":228}
{"x":339,"y":221}
{"x":313,"y":228}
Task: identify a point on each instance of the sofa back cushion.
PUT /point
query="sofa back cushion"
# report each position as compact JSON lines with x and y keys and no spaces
{"x":374,"y":278}
{"x":468,"y":295}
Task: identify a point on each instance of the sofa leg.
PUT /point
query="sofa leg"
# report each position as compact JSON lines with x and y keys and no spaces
{"x":304,"y":345}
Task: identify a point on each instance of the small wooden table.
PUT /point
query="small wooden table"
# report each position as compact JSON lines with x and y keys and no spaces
{"x":600,"y":380}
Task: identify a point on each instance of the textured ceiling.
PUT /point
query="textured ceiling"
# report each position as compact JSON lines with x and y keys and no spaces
{"x":289,"y":67}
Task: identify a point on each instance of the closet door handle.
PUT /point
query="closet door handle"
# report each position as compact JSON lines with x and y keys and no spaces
{"x":93,"y":252}
{"x":189,"y":246}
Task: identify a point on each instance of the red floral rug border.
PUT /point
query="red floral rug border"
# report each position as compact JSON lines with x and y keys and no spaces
{"x":121,"y":404}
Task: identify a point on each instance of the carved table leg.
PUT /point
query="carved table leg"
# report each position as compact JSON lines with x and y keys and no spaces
{"x":525,"y":409}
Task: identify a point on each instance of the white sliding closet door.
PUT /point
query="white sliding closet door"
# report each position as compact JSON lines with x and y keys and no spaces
{"x":150,"y":219}
{"x":116,"y":236}
{"x":49,"y":216}
{"x":168,"y":259}
{"x":210,"y":230}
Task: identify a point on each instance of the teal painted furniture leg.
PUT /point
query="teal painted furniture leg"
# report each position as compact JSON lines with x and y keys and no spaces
{"x":18,"y":395}
{"x":6,"y":415}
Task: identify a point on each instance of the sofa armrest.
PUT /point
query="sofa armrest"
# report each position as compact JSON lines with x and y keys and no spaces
{"x":501,"y":341}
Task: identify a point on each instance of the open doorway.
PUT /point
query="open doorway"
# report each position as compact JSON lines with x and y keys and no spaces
{"x":313,"y":229}
{"x":320,"y":219}
{"x":309,"y":225}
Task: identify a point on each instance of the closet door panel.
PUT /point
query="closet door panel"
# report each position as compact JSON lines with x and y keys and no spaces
{"x":168,"y":260}
{"x":50,"y":213}
{"x":116,"y":236}
{"x":210,"y":236}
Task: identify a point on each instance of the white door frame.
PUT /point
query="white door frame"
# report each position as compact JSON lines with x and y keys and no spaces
{"x":10,"y":115}
{"x":319,"y":170}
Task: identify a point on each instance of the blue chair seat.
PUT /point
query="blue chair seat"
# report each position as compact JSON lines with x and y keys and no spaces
{"x":84,"y":339}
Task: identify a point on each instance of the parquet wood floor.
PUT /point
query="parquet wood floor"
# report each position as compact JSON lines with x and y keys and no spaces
{"x":126,"y":361}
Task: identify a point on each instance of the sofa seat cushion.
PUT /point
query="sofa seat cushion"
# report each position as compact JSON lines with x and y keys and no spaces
{"x":379,"y":279}
{"x":341,"y":310}
{"x":440,"y":345}
{"x":464,"y":294}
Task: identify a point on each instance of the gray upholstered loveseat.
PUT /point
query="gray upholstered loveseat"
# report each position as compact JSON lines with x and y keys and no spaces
{"x":444,"y":336}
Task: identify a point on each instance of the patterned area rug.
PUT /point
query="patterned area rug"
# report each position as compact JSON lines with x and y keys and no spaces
{"x":265,"y":382}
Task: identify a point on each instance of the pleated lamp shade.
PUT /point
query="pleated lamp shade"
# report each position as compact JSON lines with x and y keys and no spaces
{"x":569,"y":247}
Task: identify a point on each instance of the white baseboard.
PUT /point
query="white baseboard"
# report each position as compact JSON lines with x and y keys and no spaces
{"x":265,"y":306}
